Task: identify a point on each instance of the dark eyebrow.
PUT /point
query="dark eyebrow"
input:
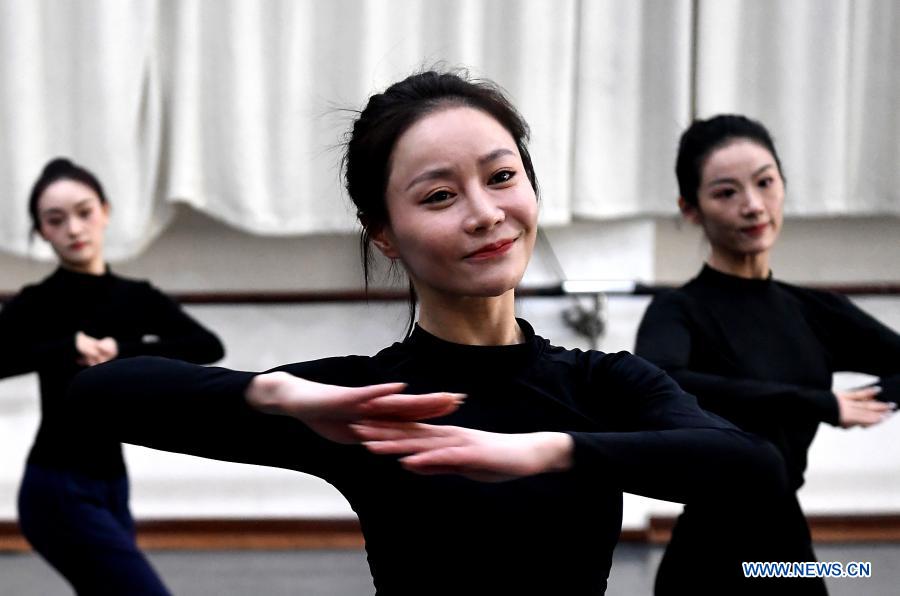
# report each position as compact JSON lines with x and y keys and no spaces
{"x":442,"y":172}
{"x":734,"y":181}
{"x":494,"y":155}
{"x":53,"y":210}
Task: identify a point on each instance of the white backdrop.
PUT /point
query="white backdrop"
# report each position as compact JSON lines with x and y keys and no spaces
{"x":235,"y":106}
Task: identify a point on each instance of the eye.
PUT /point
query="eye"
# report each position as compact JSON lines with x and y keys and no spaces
{"x":438,"y":197}
{"x":723,"y":193}
{"x":501,"y":177}
{"x":85,"y":213}
{"x":766,"y":182}
{"x":54,"y":222}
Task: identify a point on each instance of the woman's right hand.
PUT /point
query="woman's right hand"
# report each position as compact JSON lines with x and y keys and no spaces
{"x":93,"y":351}
{"x":858,"y":407}
{"x":329,"y":410}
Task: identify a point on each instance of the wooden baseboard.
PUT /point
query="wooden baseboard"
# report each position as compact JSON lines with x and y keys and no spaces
{"x":289,"y":534}
{"x":824,"y":528}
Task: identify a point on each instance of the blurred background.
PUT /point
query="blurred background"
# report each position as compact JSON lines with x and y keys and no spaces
{"x":216,"y":129}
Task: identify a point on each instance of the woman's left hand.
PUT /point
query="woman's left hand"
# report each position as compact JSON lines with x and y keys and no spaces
{"x":475,"y":454}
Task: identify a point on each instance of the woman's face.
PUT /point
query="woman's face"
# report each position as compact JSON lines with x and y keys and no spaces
{"x":73,"y":220}
{"x":740,"y":199}
{"x":462,"y":213}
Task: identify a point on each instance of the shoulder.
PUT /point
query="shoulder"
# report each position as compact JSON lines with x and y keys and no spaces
{"x":350,"y":371}
{"x":32,"y":295}
{"x":620,"y":368}
{"x":675,"y":299}
{"x":134,"y":284}
{"x":666,"y":308}
{"x":821,"y":301}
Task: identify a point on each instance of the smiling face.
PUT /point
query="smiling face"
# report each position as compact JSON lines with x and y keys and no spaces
{"x":73,"y":220}
{"x":739,"y":202}
{"x":462,"y":212}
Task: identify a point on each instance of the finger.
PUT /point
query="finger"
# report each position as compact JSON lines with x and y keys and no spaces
{"x":864,"y":394}
{"x":408,"y":446}
{"x":378,"y":430}
{"x":368,"y":392}
{"x":455,"y":456}
{"x":395,"y":429}
{"x":411,"y":407}
{"x":873,"y":406}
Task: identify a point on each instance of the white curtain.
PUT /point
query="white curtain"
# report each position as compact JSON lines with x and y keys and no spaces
{"x":824,"y":77}
{"x":80,"y":79}
{"x":258,"y":89}
{"x":633,"y":100}
{"x":236,"y":106}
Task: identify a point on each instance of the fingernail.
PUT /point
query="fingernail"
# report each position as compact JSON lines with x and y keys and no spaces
{"x":877,"y":389}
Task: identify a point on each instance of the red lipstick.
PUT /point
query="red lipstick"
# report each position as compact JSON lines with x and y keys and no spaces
{"x":492,"y":250}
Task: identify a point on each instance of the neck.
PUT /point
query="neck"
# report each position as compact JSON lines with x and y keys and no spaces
{"x":93,"y":267}
{"x":472,"y":321}
{"x":750,"y":266}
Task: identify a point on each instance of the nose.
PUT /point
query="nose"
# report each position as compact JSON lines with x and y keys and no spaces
{"x":753,"y":203}
{"x":484,"y":212}
{"x":73,"y":226}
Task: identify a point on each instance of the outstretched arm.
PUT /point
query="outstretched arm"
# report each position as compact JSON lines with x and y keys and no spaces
{"x":664,"y":447}
{"x":214,"y":412}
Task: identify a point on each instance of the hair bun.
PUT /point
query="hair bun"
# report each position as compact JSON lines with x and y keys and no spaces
{"x":58,"y":165}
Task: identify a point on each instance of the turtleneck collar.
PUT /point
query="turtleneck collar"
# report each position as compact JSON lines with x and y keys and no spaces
{"x":424,"y":344}
{"x":76,"y":277}
{"x":726,"y":280}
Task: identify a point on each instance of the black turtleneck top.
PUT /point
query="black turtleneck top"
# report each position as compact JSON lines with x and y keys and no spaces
{"x":633,"y":429}
{"x":761,"y":353}
{"x":37,"y":333}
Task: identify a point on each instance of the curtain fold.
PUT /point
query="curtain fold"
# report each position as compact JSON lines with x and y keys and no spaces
{"x":259,"y":91}
{"x":633,"y":100}
{"x":824,"y":77}
{"x":238,"y":108}
{"x":79,"y":79}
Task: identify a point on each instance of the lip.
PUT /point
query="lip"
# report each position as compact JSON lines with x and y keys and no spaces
{"x":492,"y":250}
{"x":77,"y":245}
{"x":756,"y":230}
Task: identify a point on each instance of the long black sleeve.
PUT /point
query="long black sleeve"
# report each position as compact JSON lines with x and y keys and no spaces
{"x":181,"y":407}
{"x":668,"y":337}
{"x":177,"y":335}
{"x":762,"y":353}
{"x":676,"y":451}
{"x":633,"y":428}
{"x":856,"y":341}
{"x":23,"y":347}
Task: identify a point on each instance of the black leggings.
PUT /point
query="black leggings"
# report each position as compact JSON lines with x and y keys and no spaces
{"x":83,"y":528}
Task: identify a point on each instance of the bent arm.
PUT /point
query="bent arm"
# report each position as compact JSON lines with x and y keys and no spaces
{"x":665,"y":338}
{"x":177,"y":334}
{"x":20,"y":351}
{"x":858,"y":342}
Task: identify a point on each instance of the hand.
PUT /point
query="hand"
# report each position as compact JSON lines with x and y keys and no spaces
{"x":475,"y":454}
{"x":858,"y":407}
{"x":329,"y":410}
{"x":95,"y":351}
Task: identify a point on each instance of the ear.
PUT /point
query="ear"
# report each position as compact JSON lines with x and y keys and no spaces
{"x":384,"y":239}
{"x":689,"y":212}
